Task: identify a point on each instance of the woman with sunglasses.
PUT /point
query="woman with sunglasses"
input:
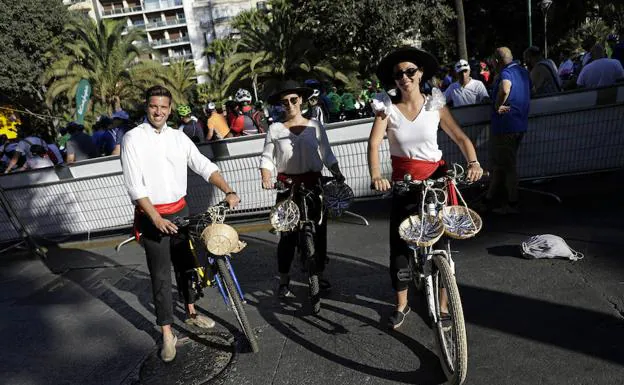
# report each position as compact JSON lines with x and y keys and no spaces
{"x":410,"y":120}
{"x":297,"y":149}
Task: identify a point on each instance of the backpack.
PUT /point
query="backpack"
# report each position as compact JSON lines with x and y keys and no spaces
{"x":250,"y":123}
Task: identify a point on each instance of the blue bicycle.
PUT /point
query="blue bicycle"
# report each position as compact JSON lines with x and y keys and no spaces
{"x":207,"y":233}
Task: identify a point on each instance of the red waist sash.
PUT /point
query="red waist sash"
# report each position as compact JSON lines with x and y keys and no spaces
{"x":418,"y":169}
{"x":162,"y":209}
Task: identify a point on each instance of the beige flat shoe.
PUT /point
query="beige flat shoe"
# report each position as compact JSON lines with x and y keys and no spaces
{"x":168,"y":351}
{"x":200,"y":321}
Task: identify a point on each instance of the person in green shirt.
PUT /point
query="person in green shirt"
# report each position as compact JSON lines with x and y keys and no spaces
{"x":335,"y":104}
{"x":348,"y":105}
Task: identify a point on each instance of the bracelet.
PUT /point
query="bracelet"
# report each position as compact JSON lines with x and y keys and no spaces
{"x":474,"y":162}
{"x":230,"y":193}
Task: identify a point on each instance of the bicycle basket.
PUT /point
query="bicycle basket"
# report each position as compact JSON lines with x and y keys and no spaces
{"x":421,"y":232}
{"x":460,"y":222}
{"x":221,"y":239}
{"x":337,"y":197}
{"x":284,"y":215}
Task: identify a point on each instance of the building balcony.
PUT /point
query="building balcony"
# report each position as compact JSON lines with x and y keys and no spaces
{"x":165,"y":24}
{"x":166,"y":60}
{"x":162,"y":43}
{"x":72,"y":2}
{"x":163,"y":5}
{"x":121,"y":12}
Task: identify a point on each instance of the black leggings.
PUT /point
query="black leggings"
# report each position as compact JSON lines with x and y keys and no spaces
{"x":289,"y":239}
{"x":404,"y":205}
{"x":162,"y":251}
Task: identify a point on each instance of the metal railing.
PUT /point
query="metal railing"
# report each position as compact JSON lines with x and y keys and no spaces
{"x":581,"y":140}
{"x":122,"y":11}
{"x":163,"y":5}
{"x":165,"y":23}
{"x":161,"y":42}
{"x":170,"y":59}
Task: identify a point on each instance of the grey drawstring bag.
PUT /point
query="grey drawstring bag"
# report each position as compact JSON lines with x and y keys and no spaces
{"x":548,"y":246}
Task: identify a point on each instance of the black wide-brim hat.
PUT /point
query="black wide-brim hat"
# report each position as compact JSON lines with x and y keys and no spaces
{"x":289,"y":87}
{"x":423,"y":59}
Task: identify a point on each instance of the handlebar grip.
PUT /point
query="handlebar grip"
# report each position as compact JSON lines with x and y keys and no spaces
{"x":223,"y":205}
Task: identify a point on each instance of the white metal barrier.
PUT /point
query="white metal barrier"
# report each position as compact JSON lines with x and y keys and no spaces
{"x":90,"y":197}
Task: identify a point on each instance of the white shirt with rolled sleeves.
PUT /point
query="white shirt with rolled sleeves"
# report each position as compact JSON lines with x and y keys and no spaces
{"x":289,"y":153}
{"x":155,"y":164}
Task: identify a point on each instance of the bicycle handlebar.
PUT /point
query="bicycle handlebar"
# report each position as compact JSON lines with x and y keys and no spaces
{"x":222,"y":207}
{"x":460,"y":178}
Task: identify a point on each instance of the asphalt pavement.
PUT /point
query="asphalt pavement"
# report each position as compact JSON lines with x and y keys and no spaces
{"x":85,"y":314}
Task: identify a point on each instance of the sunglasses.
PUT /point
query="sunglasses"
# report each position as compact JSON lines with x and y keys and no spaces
{"x":410,"y":72}
{"x":292,"y":100}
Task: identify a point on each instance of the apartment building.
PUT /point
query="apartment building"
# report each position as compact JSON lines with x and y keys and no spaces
{"x":175,"y":29}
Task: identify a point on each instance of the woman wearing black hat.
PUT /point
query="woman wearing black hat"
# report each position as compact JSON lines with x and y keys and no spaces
{"x":411,"y":123}
{"x":297,"y":149}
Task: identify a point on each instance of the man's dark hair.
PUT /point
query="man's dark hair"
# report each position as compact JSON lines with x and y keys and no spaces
{"x":533,"y":52}
{"x":157,"y":91}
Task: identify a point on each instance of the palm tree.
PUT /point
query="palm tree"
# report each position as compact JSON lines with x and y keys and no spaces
{"x":179,"y":77}
{"x":105,"y":55}
{"x":220,"y":64}
{"x":461,"y":30}
{"x":273,"y":47}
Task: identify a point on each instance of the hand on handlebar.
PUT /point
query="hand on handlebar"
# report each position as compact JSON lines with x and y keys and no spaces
{"x":232,"y":200}
{"x":267,"y":184}
{"x":165,"y":226}
{"x":380,"y":184}
{"x":474,"y":172}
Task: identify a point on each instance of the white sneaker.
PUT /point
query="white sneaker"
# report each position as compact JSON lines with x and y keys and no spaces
{"x":200,"y":321}
{"x":168,"y":351}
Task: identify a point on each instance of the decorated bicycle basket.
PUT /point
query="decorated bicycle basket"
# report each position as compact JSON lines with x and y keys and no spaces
{"x":421,"y":231}
{"x":337,"y":197}
{"x":220,"y":238}
{"x":284,"y":215}
{"x":460,"y":222}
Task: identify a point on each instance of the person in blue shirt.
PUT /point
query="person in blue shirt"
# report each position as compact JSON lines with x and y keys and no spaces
{"x":510,"y":120}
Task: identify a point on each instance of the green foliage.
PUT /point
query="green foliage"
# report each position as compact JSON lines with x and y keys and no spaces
{"x":374,"y":26}
{"x":216,"y":88}
{"x":102,"y":54}
{"x":275,"y":46}
{"x":179,"y":78}
{"x":28,"y":29}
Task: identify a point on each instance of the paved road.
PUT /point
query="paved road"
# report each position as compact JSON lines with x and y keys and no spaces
{"x":84,"y":316}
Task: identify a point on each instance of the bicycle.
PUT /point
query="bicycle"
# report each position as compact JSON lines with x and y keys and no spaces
{"x":292,"y":213}
{"x":432,"y":270}
{"x":219,"y":241}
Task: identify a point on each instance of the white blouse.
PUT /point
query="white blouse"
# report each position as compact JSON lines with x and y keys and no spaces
{"x":155,"y":164}
{"x":290,"y":153}
{"x":414,"y":139}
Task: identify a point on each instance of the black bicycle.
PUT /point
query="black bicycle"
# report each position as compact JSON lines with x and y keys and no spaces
{"x":208,"y":233}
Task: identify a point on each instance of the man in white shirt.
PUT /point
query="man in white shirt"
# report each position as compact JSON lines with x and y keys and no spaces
{"x":154,"y":161}
{"x":601,"y":72}
{"x":465,"y":90}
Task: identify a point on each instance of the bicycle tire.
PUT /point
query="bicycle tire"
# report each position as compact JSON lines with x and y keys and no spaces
{"x":452,"y":344}
{"x":313,"y":278}
{"x":237,"y":304}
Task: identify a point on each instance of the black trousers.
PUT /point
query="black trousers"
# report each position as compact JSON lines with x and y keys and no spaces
{"x":289,"y":239}
{"x":162,"y":251}
{"x":404,"y":205}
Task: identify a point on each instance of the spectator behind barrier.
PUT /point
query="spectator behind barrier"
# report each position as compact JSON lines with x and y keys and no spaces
{"x":543,"y":72}
{"x":80,"y":145}
{"x":601,"y":72}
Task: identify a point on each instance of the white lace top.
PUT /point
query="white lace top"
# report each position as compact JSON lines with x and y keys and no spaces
{"x":416,"y":139}
{"x":289,"y":153}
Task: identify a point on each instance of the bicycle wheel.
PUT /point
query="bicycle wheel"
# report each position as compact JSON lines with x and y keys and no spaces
{"x":237,"y":305}
{"x":307,"y":253}
{"x":450,"y":332}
